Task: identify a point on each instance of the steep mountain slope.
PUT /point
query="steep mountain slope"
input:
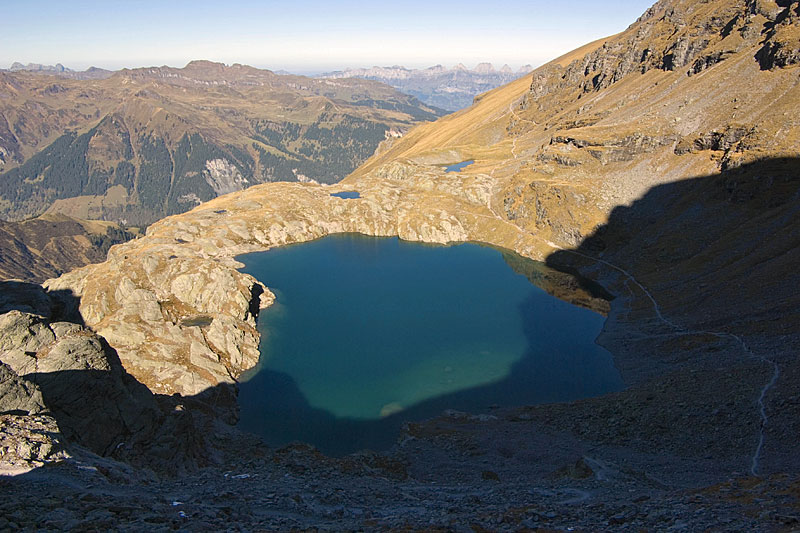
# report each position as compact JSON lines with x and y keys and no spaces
{"x":45,"y":247}
{"x":681,"y":93}
{"x":666,"y":163}
{"x":448,"y":88}
{"x":151,"y":142}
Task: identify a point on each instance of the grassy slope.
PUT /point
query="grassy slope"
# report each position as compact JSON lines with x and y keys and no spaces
{"x":477,"y":132}
{"x":47,"y":246}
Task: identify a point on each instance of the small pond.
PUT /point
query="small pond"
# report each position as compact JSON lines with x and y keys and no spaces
{"x":457,"y":167}
{"x":367,"y":333}
{"x":347,"y":195}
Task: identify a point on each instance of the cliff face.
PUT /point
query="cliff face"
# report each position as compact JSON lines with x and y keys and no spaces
{"x":679,"y":36}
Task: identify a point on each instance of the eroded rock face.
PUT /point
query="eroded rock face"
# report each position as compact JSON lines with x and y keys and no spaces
{"x":18,"y":395}
{"x":223,"y":176}
{"x":67,"y":369}
{"x":782,"y":43}
{"x":672,"y":36}
{"x":150,"y":303}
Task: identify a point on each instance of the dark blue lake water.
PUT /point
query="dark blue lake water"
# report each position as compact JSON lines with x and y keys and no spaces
{"x":347,"y":195}
{"x":367,"y":333}
{"x":458,"y":166}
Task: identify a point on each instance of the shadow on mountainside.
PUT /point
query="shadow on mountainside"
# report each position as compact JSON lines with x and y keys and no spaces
{"x":707,"y":269}
{"x":717,"y":252}
{"x":59,"y":305}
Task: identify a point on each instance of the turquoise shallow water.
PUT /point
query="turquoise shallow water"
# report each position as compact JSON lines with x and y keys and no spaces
{"x":367,"y":333}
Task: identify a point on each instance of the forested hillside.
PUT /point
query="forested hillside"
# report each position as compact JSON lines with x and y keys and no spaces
{"x":147,"y":143}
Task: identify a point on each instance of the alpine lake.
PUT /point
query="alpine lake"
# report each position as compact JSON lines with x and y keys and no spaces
{"x":369,"y":333}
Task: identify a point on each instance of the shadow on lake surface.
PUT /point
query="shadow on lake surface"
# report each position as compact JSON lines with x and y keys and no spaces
{"x":285,"y":415}
{"x":557,"y":360}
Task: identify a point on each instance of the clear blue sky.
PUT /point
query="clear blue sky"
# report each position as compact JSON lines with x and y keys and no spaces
{"x":303,"y":36}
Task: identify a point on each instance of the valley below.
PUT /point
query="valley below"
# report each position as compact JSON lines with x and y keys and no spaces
{"x":660,"y":164}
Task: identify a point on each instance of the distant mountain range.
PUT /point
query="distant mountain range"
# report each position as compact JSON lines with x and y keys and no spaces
{"x":447,"y":88}
{"x":149,"y":142}
{"x":92,"y":73}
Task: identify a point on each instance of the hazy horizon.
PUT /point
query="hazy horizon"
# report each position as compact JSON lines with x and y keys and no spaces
{"x":299,"y":71}
{"x":304,"y":37}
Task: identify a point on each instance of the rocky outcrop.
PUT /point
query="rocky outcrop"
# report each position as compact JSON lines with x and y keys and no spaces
{"x":29,"y":435}
{"x":86,"y":394}
{"x":18,"y":395}
{"x":671,"y":36}
{"x":782,"y":43}
{"x":61,"y":384}
{"x":223,"y":176}
{"x":9,"y":145}
{"x":29,"y":441}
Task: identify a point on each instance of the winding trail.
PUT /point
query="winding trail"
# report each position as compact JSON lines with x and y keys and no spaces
{"x":680,"y":330}
{"x":514,"y":114}
{"x":677,"y":329}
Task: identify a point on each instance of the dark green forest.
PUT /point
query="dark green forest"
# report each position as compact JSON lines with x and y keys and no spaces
{"x":167,"y":180}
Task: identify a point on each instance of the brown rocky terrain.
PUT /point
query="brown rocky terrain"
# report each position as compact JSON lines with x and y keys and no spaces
{"x":661,"y":162}
{"x":47,"y":246}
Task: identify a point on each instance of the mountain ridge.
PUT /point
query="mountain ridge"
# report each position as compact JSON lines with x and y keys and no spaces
{"x":400,"y":71}
{"x":45,"y":247}
{"x":91,"y":73}
{"x":451,"y":89}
